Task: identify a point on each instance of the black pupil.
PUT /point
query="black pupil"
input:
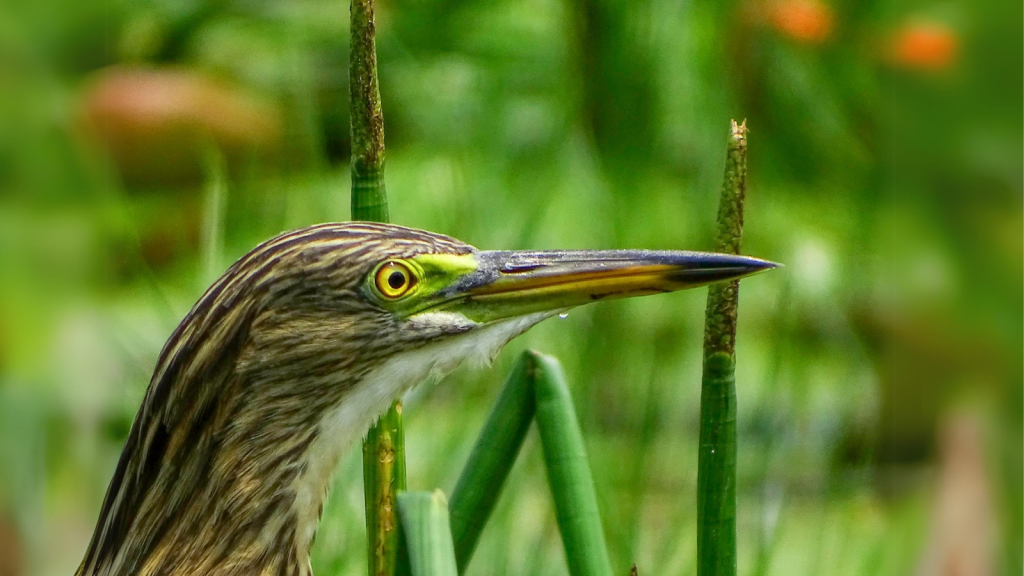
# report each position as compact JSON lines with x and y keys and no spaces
{"x":396,"y":280}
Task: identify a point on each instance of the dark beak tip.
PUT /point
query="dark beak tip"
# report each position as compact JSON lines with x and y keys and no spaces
{"x":756,"y":266}
{"x":731,"y":268}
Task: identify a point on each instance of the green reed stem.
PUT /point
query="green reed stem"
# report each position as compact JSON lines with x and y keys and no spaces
{"x":426,"y":535}
{"x":716,"y":464}
{"x":383,"y":480}
{"x":384,"y":447}
{"x":572,"y":485}
{"x":491,"y":460}
{"x":369,"y":199}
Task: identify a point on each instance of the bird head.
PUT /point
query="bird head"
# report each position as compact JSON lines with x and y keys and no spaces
{"x":289,"y":357}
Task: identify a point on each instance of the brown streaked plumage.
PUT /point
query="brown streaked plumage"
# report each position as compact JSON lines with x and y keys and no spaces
{"x":290,"y":355}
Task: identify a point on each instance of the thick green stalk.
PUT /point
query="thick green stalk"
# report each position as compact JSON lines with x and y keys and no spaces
{"x":383,"y":480}
{"x":716,"y":464}
{"x":494,"y":453}
{"x":369,"y":199}
{"x":384,"y":447}
{"x":426,"y":534}
{"x":572,"y":485}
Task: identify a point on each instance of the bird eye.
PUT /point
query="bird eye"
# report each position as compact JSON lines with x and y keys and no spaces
{"x":394,"y":279}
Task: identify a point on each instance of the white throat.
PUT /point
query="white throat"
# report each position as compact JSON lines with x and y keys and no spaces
{"x":350,"y":420}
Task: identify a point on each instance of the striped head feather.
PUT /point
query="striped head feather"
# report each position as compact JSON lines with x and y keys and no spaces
{"x":279,"y":366}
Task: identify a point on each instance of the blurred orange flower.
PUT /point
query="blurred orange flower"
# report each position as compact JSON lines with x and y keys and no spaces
{"x":926,"y":46}
{"x":806,"y":21}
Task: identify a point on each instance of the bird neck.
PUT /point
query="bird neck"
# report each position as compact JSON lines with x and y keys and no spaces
{"x":223,"y":472}
{"x":226,"y":470}
{"x":228,"y":462}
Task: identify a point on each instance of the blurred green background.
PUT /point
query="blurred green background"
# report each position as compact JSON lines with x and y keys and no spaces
{"x":146,"y":144}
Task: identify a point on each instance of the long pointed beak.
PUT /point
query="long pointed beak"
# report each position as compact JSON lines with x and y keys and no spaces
{"x":513,"y":283}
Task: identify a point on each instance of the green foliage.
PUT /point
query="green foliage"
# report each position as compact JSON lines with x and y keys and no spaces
{"x":716,"y":459}
{"x":384,"y":478}
{"x":569,"y":476}
{"x":494,"y":453}
{"x":716,"y":473}
{"x":427,"y":534}
{"x":891,"y":193}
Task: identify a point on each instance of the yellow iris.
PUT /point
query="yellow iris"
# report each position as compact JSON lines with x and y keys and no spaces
{"x":394,"y":279}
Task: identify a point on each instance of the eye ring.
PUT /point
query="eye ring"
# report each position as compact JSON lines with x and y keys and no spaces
{"x":394,"y":279}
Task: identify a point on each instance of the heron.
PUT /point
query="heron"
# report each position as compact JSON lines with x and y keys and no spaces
{"x":292,"y":354}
